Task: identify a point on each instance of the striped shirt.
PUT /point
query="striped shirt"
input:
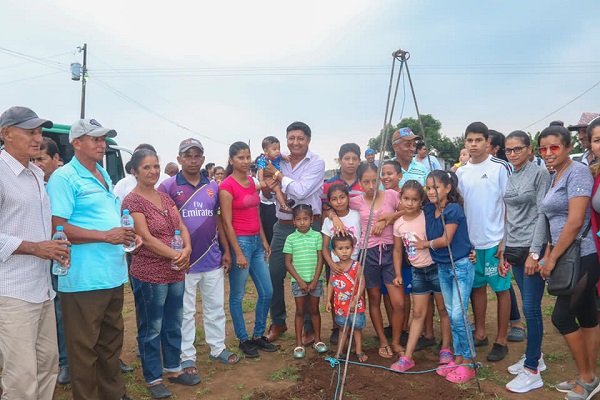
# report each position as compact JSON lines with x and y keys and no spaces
{"x":25,"y":216}
{"x":416,"y":171}
{"x":303,"y":247}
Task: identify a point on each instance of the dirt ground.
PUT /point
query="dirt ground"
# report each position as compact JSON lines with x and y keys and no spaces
{"x":279,"y":376}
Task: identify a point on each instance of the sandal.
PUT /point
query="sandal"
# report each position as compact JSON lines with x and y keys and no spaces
{"x":320,"y":347}
{"x":185,"y":379}
{"x":225,"y":358}
{"x":191,"y":370}
{"x":589,"y":390}
{"x":299,"y":352}
{"x":361,"y":357}
{"x":285,"y":209}
{"x":159,"y":391}
{"x":386,"y":352}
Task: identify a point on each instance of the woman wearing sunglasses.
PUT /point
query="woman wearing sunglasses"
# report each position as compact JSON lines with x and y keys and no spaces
{"x":566,"y":206}
{"x":524,"y":236}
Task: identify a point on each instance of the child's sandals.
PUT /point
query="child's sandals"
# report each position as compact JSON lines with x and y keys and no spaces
{"x":361,"y":357}
{"x":386,"y":352}
{"x":320,"y":347}
{"x":285,"y":209}
{"x":299,"y":352}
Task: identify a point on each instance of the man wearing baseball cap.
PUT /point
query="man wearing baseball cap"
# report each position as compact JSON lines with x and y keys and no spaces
{"x":370,"y":156}
{"x":404,"y":145}
{"x":197,"y":198}
{"x":27,"y":323}
{"x":587,"y":157}
{"x":91,"y":293}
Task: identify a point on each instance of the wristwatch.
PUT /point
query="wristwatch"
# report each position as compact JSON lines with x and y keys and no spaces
{"x":535,"y":256}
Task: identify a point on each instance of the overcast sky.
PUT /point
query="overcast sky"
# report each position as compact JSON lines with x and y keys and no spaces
{"x":239,"y":70}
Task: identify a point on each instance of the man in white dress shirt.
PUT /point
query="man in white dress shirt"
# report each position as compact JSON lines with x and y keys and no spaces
{"x":27,"y":323}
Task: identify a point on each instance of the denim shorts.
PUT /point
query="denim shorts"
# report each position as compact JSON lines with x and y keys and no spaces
{"x":297,"y":292}
{"x":425,"y":280}
{"x":379,"y":266}
{"x":360,"y":323}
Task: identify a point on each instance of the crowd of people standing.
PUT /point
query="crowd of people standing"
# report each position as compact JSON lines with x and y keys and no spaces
{"x":420,"y":237}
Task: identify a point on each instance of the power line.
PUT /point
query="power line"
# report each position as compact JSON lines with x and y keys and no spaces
{"x":561,"y":107}
{"x":27,"y":62}
{"x":48,"y":63}
{"x":31,"y":77}
{"x":137,"y":103}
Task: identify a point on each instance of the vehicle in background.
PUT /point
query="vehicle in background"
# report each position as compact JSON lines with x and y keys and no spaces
{"x":113,"y":160}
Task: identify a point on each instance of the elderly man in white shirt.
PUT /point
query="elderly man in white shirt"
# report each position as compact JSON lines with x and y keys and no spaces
{"x":27,"y":323}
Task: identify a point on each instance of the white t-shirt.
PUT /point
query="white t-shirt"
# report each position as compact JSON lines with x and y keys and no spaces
{"x":126,"y":185}
{"x":352,"y":225}
{"x":482,"y":186}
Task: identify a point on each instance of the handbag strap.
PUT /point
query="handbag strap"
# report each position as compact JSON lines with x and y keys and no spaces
{"x":585,"y":232}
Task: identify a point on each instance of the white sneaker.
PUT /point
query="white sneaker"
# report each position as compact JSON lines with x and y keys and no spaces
{"x":515,"y":369}
{"x":525,"y":381}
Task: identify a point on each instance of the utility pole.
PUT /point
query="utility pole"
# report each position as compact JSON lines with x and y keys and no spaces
{"x":83,"y":75}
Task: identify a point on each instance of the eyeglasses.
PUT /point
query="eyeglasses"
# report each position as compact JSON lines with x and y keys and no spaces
{"x":553,"y":148}
{"x":516,"y":150}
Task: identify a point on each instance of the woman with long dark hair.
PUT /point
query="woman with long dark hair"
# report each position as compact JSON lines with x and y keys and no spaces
{"x":249,"y":249}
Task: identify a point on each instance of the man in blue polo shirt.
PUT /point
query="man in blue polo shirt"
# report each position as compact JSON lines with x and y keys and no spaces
{"x":197,"y":198}
{"x":91,"y":294}
{"x":404,"y":145}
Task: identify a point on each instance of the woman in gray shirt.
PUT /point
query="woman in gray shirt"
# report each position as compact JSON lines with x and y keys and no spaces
{"x":525,"y":234}
{"x":567,"y":208}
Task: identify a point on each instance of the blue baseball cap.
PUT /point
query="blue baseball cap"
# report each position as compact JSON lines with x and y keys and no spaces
{"x":369,"y":151}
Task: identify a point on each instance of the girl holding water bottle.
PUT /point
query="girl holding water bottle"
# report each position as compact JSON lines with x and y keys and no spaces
{"x":157,"y":287}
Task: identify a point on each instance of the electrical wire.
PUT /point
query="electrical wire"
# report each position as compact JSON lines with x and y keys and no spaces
{"x":48,"y":63}
{"x":151,"y":111}
{"x":563,"y":106}
{"x":30,"y":77}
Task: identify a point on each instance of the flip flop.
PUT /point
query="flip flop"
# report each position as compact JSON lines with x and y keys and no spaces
{"x":361,"y":357}
{"x":299,"y":352}
{"x":386,"y":352}
{"x":320,"y":347}
{"x":224,"y":357}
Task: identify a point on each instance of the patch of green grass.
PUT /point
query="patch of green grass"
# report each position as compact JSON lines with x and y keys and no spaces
{"x":555,"y":357}
{"x":353,"y":396}
{"x":369,"y":342}
{"x":249,"y":289}
{"x":200,"y":334}
{"x":289,"y":373}
{"x":247,"y":396}
{"x":547,"y":310}
{"x":248,"y":305}
{"x":486,"y":373}
{"x":127,"y":310}
{"x":239,"y":387}
{"x":202,"y":391}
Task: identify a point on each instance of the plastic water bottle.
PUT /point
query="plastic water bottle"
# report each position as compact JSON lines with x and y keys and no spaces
{"x":176,"y":244}
{"x":127,"y":222}
{"x":411,"y":252}
{"x":58,"y":268}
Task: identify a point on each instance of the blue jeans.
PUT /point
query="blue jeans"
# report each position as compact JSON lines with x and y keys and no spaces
{"x":259,"y":272}
{"x":160,"y":312}
{"x":60,"y":331}
{"x":532,"y":290}
{"x":465,"y":274}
